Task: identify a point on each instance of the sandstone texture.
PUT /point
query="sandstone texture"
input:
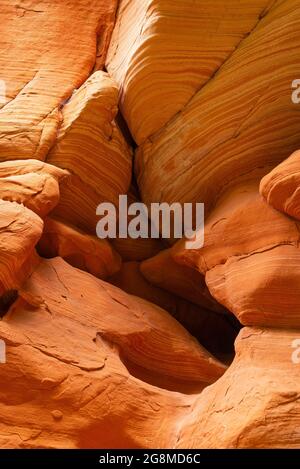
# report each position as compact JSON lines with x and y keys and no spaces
{"x":280,"y":187}
{"x":144,"y":48}
{"x":90,"y":145}
{"x":96,"y":360}
{"x":81,"y":250}
{"x":215,"y":331}
{"x":227,"y":129}
{"x":163,"y":271}
{"x":250,"y":259}
{"x":48,"y":49}
{"x":147,"y":341}
{"x":266,"y":398}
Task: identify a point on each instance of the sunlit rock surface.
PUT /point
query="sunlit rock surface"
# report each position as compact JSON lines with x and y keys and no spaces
{"x":243,"y":120}
{"x":250,"y":259}
{"x":280,"y":187}
{"x":90,"y":145}
{"x":47,"y":50}
{"x":159,"y":72}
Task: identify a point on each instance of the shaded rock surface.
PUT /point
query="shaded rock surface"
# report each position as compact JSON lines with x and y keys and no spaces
{"x":35,"y":185}
{"x":20,"y":230}
{"x":215,"y":331}
{"x":280,"y":187}
{"x":250,"y":259}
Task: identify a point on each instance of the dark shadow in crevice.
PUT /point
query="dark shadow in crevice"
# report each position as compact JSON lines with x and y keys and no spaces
{"x":6,"y":300}
{"x":122,"y":124}
{"x":214,"y":331}
{"x":149,"y":376}
{"x":160,"y":380}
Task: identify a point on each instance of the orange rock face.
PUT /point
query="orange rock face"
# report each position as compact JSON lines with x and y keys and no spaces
{"x":215,"y":331}
{"x":147,"y":342}
{"x":281,"y":186}
{"x":227,"y":129}
{"x":265,"y":398}
{"x":163,"y":271}
{"x":250,"y":258}
{"x":144,"y":48}
{"x":137,"y":249}
{"x":90,"y":145}
{"x":57,"y":45}
{"x":20,"y":231}
{"x":94,"y":356}
{"x":79,"y":249}
{"x":35,"y":185}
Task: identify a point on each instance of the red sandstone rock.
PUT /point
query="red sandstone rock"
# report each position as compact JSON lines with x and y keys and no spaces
{"x":159,"y":72}
{"x":260,"y":288}
{"x":20,"y":230}
{"x":79,"y":249}
{"x":205,"y":89}
{"x":281,"y":186}
{"x":255,"y":404}
{"x":136,"y":249}
{"x":81,"y":342}
{"x":181,"y":280}
{"x":20,"y":167}
{"x":214,"y":331}
{"x":243,"y":120}
{"x":250,"y":257}
{"x":47,"y":49}
{"x":35,"y":185}
{"x":90,"y":145}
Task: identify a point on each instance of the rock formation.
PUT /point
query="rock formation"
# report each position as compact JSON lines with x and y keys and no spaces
{"x":140,"y":342}
{"x":84,"y":251}
{"x":266,"y":397}
{"x":57,"y":45}
{"x":107,"y":343}
{"x":144,"y":48}
{"x":227,"y":129}
{"x":280,"y":187}
{"x":90,"y":145}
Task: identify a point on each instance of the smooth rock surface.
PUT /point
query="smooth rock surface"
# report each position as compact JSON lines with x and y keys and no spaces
{"x":214,"y":331}
{"x":159,"y":71}
{"x":188,"y":283}
{"x":250,"y":259}
{"x":86,"y":252}
{"x":91,"y":146}
{"x":243,"y":120}
{"x":200,"y":95}
{"x":281,"y":187}
{"x":84,"y":346}
{"x":259,"y":393}
{"x":20,"y":230}
{"x":47,"y":50}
